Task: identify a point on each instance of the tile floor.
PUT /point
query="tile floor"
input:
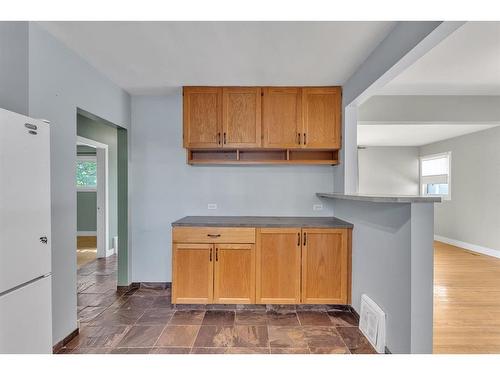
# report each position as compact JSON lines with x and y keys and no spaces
{"x":144,"y":321}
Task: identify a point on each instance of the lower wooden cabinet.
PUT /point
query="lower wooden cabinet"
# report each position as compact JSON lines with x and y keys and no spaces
{"x":192,"y":279}
{"x":213,"y":273}
{"x":283,"y":266}
{"x":325,"y":266}
{"x":234,"y":276}
{"x":278,"y":265}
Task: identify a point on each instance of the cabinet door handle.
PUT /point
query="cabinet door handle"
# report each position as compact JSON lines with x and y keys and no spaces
{"x":213,"y":235}
{"x":217,"y":254}
{"x":298,"y":239}
{"x":218,"y":138}
{"x":305,"y":239}
{"x":305,"y":138}
{"x":298,"y":137}
{"x":224,"y":137}
{"x":210,"y":255}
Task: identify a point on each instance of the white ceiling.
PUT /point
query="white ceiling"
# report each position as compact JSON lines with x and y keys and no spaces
{"x":465,"y":63}
{"x":152,"y":57}
{"x":413,"y":134}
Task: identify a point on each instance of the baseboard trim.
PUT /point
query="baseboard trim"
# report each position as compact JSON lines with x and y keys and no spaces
{"x":61,"y":344}
{"x":127,"y":288}
{"x":85,"y":233}
{"x":469,"y":246}
{"x":110,"y":252}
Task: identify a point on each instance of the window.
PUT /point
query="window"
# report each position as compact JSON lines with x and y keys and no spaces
{"x":435,"y":175}
{"x":86,"y":173}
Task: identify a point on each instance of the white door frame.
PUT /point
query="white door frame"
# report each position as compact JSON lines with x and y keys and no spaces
{"x":102,"y":194}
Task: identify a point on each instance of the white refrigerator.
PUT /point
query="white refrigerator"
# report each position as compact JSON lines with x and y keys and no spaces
{"x":25,"y":246}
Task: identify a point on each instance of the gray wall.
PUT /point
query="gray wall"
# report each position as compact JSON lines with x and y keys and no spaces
{"x":430,"y":109}
{"x":472,"y":215}
{"x":392,"y":264}
{"x":163,"y":188}
{"x":101,"y":132}
{"x":389,"y":170}
{"x":59,"y":83}
{"x":14,"y":66}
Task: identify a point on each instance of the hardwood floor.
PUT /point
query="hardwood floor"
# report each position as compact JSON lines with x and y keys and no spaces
{"x":466,"y":301}
{"x":86,"y":250}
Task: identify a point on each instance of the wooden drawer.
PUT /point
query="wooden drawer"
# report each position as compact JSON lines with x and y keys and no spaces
{"x":213,"y":235}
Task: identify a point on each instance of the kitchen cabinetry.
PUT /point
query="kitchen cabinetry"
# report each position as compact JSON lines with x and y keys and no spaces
{"x":241,"y":116}
{"x":234,"y":276}
{"x":321,"y":117}
{"x":269,"y":125}
{"x":325,"y":263}
{"x":213,"y":265}
{"x":278,"y":265}
{"x":282,"y":117}
{"x":192,"y":273}
{"x":202,"y":117}
{"x":264,"y":265}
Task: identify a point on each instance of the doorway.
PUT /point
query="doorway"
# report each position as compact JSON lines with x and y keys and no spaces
{"x":105,"y":243}
{"x":92,"y":182}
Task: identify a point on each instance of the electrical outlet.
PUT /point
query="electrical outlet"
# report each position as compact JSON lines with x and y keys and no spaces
{"x":317,"y":207}
{"x":212,"y":206}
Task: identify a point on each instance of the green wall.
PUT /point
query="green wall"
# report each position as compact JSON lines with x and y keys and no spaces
{"x":86,"y":209}
{"x":124,"y":266}
{"x":86,"y":201}
{"x":101,"y":132}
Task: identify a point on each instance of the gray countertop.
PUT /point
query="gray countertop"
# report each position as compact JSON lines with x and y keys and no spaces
{"x":261,"y":222}
{"x":381,"y":198}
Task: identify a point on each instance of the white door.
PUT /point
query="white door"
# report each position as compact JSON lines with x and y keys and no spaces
{"x":24,"y":199}
{"x":25,"y":319}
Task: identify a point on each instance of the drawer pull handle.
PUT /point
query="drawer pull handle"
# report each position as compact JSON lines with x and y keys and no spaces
{"x":213,"y":235}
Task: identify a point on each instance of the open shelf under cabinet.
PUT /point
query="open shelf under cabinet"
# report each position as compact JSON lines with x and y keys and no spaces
{"x":262,"y":156}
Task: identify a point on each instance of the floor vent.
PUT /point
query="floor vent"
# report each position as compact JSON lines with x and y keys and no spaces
{"x":372,"y":323}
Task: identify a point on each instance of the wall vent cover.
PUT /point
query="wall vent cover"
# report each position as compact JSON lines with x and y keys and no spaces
{"x":372,"y":323}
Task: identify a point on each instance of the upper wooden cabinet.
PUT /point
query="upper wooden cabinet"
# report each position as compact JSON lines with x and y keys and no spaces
{"x":241,"y":116}
{"x":202,"y":117}
{"x":270,"y":125}
{"x":282,"y":117}
{"x":321,"y":117}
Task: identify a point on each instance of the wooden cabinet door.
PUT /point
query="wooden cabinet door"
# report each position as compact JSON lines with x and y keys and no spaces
{"x":325,"y":262}
{"x":234,"y":276}
{"x":241,"y":116}
{"x":278,"y":265}
{"x":192,"y":280}
{"x":202,"y":117}
{"x":321,"y":117}
{"x":282,"y":117}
